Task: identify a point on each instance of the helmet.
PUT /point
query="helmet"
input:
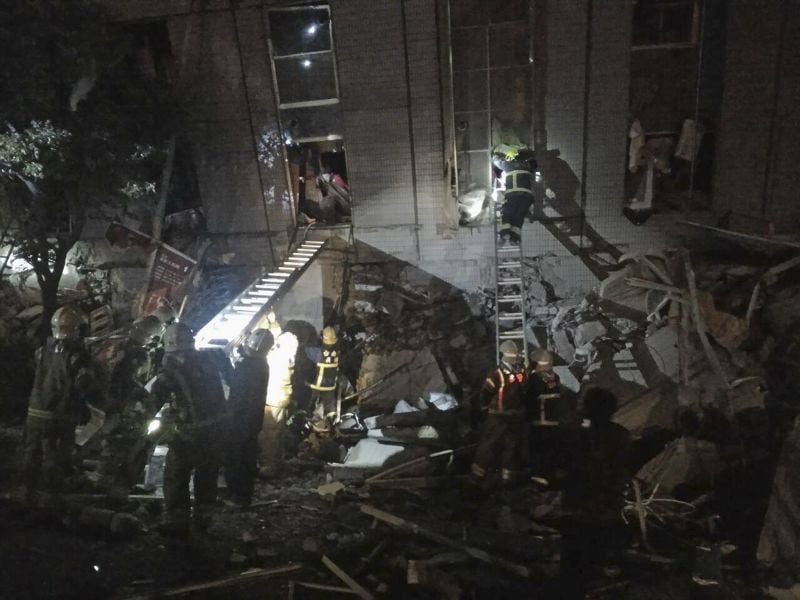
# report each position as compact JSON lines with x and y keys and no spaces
{"x":329,"y":336}
{"x":542,"y":360}
{"x":509,"y":350}
{"x":145,"y":329}
{"x":165,"y":314}
{"x":259,"y":341}
{"x":177,"y":337}
{"x":66,"y":322}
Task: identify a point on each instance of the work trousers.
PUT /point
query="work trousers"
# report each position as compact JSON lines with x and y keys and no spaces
{"x":587,"y":545}
{"x":513,"y":215}
{"x":47,"y":454}
{"x":271,"y":438}
{"x":198,"y":453}
{"x":503,"y":444}
{"x":324,"y":402}
{"x":241,"y":465}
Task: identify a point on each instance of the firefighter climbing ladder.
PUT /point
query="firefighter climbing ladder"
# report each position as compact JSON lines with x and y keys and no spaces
{"x":509,"y":291}
{"x":255,"y":300}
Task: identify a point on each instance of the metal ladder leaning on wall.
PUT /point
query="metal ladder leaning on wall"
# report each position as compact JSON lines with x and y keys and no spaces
{"x":509,"y":291}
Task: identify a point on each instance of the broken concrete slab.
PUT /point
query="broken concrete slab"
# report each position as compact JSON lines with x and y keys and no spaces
{"x":586,"y":333}
{"x":420,"y":376}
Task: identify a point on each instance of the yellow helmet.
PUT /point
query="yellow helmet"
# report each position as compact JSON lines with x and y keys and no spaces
{"x":66,"y":322}
{"x":541,"y":360}
{"x":329,"y":336}
{"x":509,"y":350}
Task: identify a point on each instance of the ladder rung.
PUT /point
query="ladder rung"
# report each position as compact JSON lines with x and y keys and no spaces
{"x":509,"y":265}
{"x":514,"y":281}
{"x":511,"y":335}
{"x":277,"y":274}
{"x":508,"y":249}
{"x":510,"y":316}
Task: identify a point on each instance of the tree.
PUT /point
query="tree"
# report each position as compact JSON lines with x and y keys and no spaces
{"x":83,"y":128}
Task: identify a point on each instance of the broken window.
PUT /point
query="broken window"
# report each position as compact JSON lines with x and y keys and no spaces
{"x":665,"y":22}
{"x":303,"y":59}
{"x":319,"y":181}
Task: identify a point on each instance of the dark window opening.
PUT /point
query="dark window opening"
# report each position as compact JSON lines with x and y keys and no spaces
{"x":151,"y":55}
{"x":303,"y":57}
{"x":663,"y":23}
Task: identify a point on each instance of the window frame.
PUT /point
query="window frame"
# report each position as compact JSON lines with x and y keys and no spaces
{"x":274,"y":57}
{"x":695,"y":27}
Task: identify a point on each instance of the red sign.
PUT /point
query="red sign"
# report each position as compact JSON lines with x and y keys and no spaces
{"x":169,"y":273}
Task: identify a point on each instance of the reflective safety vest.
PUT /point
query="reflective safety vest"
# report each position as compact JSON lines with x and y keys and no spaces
{"x":327,"y":370}
{"x":519,"y":181}
{"x":547,"y":398}
{"x":506,"y":387}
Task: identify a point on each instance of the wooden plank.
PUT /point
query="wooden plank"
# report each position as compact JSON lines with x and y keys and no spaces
{"x":349,"y":581}
{"x":700,"y":324}
{"x":325,"y":588}
{"x":219,"y":583}
{"x":744,"y":238}
{"x":476,"y":553}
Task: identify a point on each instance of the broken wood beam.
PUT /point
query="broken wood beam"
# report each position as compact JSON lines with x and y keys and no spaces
{"x":415,"y":482}
{"x":700,"y":324}
{"x":476,"y":553}
{"x":418,"y":461}
{"x":324,"y":588}
{"x":349,"y":581}
{"x":654,"y":285}
{"x":246,"y":577}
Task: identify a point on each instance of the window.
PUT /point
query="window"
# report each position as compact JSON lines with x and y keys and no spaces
{"x":665,"y":22}
{"x":302,"y":56}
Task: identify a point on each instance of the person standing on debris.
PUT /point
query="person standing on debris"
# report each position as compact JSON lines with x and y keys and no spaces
{"x":591,"y":532}
{"x":65,"y":375}
{"x":194,"y":428}
{"x":517,"y":168}
{"x":246,"y":401}
{"x":280,"y":358}
{"x":124,"y":453}
{"x":547,"y":414}
{"x":326,"y":380}
{"x":504,"y":432}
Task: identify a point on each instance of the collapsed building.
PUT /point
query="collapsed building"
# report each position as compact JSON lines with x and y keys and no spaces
{"x":403,"y":101}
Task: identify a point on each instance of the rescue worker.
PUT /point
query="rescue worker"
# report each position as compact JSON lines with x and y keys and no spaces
{"x":246,"y":401}
{"x":124,"y":453}
{"x":194,"y":428}
{"x":592,"y":532}
{"x":548,"y":414}
{"x":503,"y":437}
{"x":65,"y":375}
{"x":326,"y":381}
{"x":517,"y":168}
{"x":281,"y":359}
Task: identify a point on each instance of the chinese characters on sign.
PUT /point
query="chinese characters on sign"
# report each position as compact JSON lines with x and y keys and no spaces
{"x":170,"y":270}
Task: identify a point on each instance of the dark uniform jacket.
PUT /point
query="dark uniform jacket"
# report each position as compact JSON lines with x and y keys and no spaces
{"x":598,"y":471}
{"x":126,"y":385}
{"x":248,"y":395}
{"x":192,"y":382}
{"x":504,"y":390}
{"x":546,"y":406}
{"x":64,"y":374}
{"x":327,"y":362}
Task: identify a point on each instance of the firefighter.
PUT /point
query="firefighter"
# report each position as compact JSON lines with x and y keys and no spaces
{"x":504,"y":432}
{"x":548,"y":415}
{"x":326,"y":381}
{"x":246,"y":401}
{"x":124,"y":453}
{"x":281,"y":359}
{"x":65,"y":375}
{"x":194,"y":427}
{"x":517,"y":168}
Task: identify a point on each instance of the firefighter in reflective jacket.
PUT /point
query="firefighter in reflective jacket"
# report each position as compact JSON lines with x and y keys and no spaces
{"x":517,"y":168}
{"x":195,"y":427}
{"x":547,"y":411}
{"x":326,"y":381}
{"x":64,"y":375}
{"x":504,"y":434}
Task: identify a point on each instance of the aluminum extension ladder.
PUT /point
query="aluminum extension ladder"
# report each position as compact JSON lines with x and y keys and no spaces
{"x":509,"y":291}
